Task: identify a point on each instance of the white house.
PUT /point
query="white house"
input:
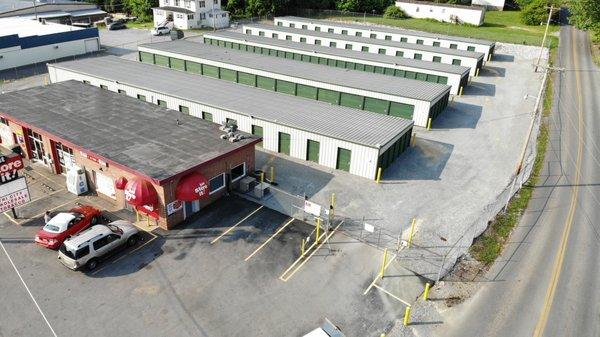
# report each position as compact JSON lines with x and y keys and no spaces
{"x":490,"y":4}
{"x":473,"y":15}
{"x":186,"y":14}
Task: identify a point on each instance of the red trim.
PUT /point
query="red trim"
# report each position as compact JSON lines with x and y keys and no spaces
{"x":27,"y":145}
{"x":120,"y":166}
{"x":55,"y":160}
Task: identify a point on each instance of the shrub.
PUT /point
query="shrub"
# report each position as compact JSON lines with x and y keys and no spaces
{"x":536,"y":12}
{"x":393,"y":12}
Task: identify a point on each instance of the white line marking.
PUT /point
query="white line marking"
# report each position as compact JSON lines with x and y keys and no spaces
{"x":27,"y":288}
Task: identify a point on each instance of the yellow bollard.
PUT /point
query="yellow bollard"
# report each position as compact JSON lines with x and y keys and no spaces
{"x":272,"y":174}
{"x":426,"y":291}
{"x":382,"y":335}
{"x":490,"y":57}
{"x":378,"y":179}
{"x":137,"y":216}
{"x":318,"y":230}
{"x":429,"y":124}
{"x":477,"y":72}
{"x":302,"y":248}
{"x":413,"y":140}
{"x":460,"y":91}
{"x":383,"y":263}
{"x":407,"y":316}
{"x":412,"y":232}
{"x":262,"y":177}
{"x":148,"y":220}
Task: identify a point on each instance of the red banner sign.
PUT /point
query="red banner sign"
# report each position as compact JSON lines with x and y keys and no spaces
{"x":9,"y":166}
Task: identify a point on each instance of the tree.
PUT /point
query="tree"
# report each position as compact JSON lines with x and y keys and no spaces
{"x":236,"y":7}
{"x":585,"y":14}
{"x":394,"y":12}
{"x":347,"y":5}
{"x":264,"y":7}
{"x":536,"y":12}
{"x":523,"y":3}
{"x":141,"y":8}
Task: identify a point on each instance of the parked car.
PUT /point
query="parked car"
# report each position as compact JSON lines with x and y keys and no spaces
{"x":92,"y":245}
{"x":66,"y":224}
{"x":160,"y":31}
{"x":119,"y":24}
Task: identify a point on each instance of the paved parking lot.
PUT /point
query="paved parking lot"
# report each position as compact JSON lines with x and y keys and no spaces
{"x":222,"y":274}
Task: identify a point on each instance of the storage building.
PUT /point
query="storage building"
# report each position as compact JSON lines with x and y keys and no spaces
{"x":473,"y":60}
{"x":416,"y":100}
{"x":455,"y":76}
{"x":391,"y":34}
{"x":24,"y":42}
{"x":161,"y":163}
{"x":332,"y":136}
{"x":443,"y":12}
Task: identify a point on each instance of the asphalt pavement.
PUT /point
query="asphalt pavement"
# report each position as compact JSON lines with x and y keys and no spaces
{"x":546,"y":281}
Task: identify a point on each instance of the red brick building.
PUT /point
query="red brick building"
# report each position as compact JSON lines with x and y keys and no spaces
{"x":162,"y":163}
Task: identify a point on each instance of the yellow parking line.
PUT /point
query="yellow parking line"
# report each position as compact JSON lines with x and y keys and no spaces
{"x":379,"y":275}
{"x":11,"y":218}
{"x":125,"y":255}
{"x":270,"y":238}
{"x":285,"y":279}
{"x":394,"y":296}
{"x":234,"y":226}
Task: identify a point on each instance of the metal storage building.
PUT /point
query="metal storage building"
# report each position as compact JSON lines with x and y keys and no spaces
{"x":389,"y":33}
{"x":455,"y":76}
{"x":333,"y":136}
{"x":465,"y":58}
{"x":411,"y":99}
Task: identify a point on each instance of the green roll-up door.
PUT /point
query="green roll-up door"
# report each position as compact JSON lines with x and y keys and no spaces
{"x":402,"y":110}
{"x":280,"y":53}
{"x":456,"y":62}
{"x":360,"y":66}
{"x":298,"y":57}
{"x":193,"y":67}
{"x":322,"y":61}
{"x":235,"y":45}
{"x":272,"y":52}
{"x":161,"y":60}
{"x":369,"y":68}
{"x":265,"y":82}
{"x":257,"y":131}
{"x":312,"y":151}
{"x":284,"y":143}
{"x":314,"y":59}
{"x":431,"y":78}
{"x":265,"y":51}
{"x":421,"y":77}
{"x":210,"y":71}
{"x":289,"y":55}
{"x":247,"y":79}
{"x":331,"y":62}
{"x":400,"y":73}
{"x":207,"y":116}
{"x":340,"y":64}
{"x":329,"y":96}
{"x":379,"y":70}
{"x":410,"y":74}
{"x":351,"y":101}
{"x":442,"y":79}
{"x":146,"y":57}
{"x":343,"y":159}
{"x":306,"y":58}
{"x":228,"y":44}
{"x":286,"y":87}
{"x":228,"y":75}
{"x":376,"y":105}
{"x":389,"y":71}
{"x":306,"y":91}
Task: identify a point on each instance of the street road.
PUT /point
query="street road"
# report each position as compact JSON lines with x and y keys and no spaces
{"x":546,"y":283}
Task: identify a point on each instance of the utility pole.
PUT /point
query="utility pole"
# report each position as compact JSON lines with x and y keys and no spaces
{"x":213,"y":16}
{"x":544,"y":39}
{"x":35,"y":10}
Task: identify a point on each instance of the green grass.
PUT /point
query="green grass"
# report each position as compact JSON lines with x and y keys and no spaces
{"x":487,"y":247}
{"x":140,"y":25}
{"x":499,"y":26}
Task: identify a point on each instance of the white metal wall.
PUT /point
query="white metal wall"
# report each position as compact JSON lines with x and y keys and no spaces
{"x":380,"y":35}
{"x":363,"y":160}
{"x":373,"y":47}
{"x":16,"y":57}
{"x":420,"y":114}
{"x":453,"y":79}
{"x":420,"y":10}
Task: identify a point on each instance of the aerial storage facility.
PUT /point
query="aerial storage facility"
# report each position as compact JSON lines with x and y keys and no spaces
{"x":400,"y":97}
{"x":389,"y":33}
{"x":471,"y":59}
{"x":455,"y":76}
{"x":333,"y":136}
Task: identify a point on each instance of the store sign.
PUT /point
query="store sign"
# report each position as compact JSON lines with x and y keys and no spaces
{"x":202,"y":190}
{"x":9,"y":167}
{"x":174,"y":206}
{"x":312,"y":208}
{"x":94,"y":159}
{"x":6,"y":135}
{"x":14,"y":194}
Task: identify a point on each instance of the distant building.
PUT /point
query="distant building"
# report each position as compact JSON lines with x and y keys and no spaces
{"x":26,"y":41}
{"x":63,"y":12}
{"x":490,"y":4}
{"x":473,"y":15}
{"x":187,"y":14}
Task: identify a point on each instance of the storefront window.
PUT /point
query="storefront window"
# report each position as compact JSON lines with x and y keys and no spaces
{"x":217,"y":183}
{"x":36,"y":144}
{"x":65,"y":156}
{"x":238,"y":172}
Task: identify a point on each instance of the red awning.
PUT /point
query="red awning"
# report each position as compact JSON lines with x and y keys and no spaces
{"x":121,"y":183}
{"x":192,"y":187}
{"x":140,"y":192}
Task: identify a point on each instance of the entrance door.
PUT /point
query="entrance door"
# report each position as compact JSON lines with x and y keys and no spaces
{"x":343,"y":159}
{"x":37,"y":146}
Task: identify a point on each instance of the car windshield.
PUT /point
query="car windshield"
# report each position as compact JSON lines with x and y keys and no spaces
{"x":115,"y":229}
{"x":52,"y":228}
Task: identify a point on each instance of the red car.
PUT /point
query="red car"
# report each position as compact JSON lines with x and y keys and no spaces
{"x":66,"y":224}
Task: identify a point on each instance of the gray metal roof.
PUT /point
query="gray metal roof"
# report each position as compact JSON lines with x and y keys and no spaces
{"x":352,"y":125}
{"x":354,"y":54}
{"x":367,"y":40}
{"x":395,"y":86}
{"x":141,"y":136}
{"x":392,"y":30}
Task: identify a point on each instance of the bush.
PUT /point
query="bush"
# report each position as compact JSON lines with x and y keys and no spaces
{"x":393,"y":12}
{"x":536,"y":12}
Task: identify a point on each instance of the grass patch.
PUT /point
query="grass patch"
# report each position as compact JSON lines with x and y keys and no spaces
{"x":502,"y":26}
{"x":595,"y":47}
{"x":140,"y":25}
{"x":487,"y":247}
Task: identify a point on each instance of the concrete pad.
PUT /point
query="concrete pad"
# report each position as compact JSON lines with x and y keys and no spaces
{"x":447,"y":180}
